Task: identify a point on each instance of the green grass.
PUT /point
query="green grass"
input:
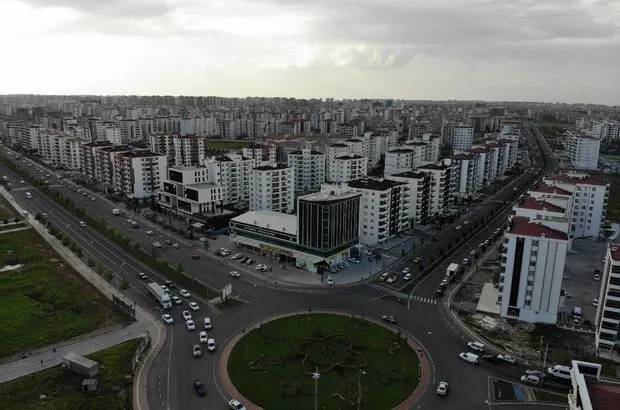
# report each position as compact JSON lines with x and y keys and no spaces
{"x":6,"y":210}
{"x":503,"y":391}
{"x":227,"y":144}
{"x":266,"y":367}
{"x":543,"y":395}
{"x":62,"y":387}
{"x":46,"y":301}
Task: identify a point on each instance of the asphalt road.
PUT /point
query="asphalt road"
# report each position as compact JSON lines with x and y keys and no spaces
{"x":170,"y":379}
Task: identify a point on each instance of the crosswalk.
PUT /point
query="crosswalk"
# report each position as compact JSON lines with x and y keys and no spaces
{"x":422,"y":299}
{"x":387,"y":289}
{"x":383,"y":287}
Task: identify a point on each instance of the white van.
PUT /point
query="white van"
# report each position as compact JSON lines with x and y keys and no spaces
{"x":559,"y":371}
{"x":116,"y":211}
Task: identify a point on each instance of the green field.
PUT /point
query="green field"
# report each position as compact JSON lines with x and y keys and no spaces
{"x":62,"y":387}
{"x":46,"y":301}
{"x":227,"y":144}
{"x":272,"y":366}
{"x":6,"y":210}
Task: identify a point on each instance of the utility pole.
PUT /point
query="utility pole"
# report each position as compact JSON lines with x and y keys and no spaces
{"x":545,"y":360}
{"x":316,"y":375}
{"x":540,"y":350}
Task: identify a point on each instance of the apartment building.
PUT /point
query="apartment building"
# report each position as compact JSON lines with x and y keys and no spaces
{"x":607,"y":335}
{"x":582,"y":150}
{"x":138,"y":174}
{"x":532,"y":268}
{"x":465,"y":179}
{"x":187,"y":191}
{"x":346,"y":168}
{"x":88,"y":159}
{"x":233,"y":173}
{"x":59,"y":150}
{"x":432,"y":143}
{"x":308,"y":170}
{"x":188,"y":150}
{"x":384,"y":209}
{"x":261,"y":153}
{"x":335,"y":150}
{"x":399,"y":160}
{"x":460,"y":137}
{"x":272,"y":188}
{"x":442,"y":179}
{"x":419,"y":184}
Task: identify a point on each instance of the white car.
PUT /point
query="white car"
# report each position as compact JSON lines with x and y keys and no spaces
{"x":469,"y":357}
{"x":595,"y":302}
{"x":408,"y":276}
{"x":537,"y":373}
{"x":330,"y":281}
{"x":190,"y":325}
{"x":458,"y":227}
{"x":203,"y":336}
{"x":237,"y":256}
{"x":236,"y":405}
{"x":187,"y":315}
{"x":167,"y":318}
{"x":150,"y":233}
{"x":260,"y":266}
{"x":208,"y":323}
{"x":211,"y":344}
{"x":506,"y":358}
{"x":477,"y":346}
{"x":176,"y":245}
{"x":234,"y":274}
{"x":82,"y":223}
{"x":442,"y":389}
{"x":184,"y":293}
{"x":177,"y":300}
{"x":406,"y":270}
{"x":391,"y":279}
{"x":157,"y":244}
{"x":194,"y":306}
{"x":530,"y":378}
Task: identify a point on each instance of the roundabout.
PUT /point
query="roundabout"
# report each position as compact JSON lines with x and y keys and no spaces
{"x":361,"y":364}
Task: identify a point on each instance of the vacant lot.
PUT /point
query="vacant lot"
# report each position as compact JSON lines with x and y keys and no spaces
{"x":62,"y":387}
{"x":227,"y":144}
{"x":45,"y":301}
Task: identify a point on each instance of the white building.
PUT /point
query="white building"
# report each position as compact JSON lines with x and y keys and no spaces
{"x":272,"y":188}
{"x":187,"y":191}
{"x":532,"y":269}
{"x":138,"y":174}
{"x":335,"y":150}
{"x":441,"y":193}
{"x":112,"y":133}
{"x":347,"y":168}
{"x":261,"y":153}
{"x":59,"y":150}
{"x":398,"y":160}
{"x":308,"y":170}
{"x":233,"y":173}
{"x":419,"y":184}
{"x":582,"y":150}
{"x":384,"y":209}
{"x":607,"y":336}
{"x":459,"y":137}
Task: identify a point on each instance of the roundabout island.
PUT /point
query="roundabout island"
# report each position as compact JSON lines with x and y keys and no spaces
{"x":360,"y":364}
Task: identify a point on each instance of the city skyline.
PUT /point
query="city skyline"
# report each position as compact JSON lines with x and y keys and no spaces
{"x":462,"y":50}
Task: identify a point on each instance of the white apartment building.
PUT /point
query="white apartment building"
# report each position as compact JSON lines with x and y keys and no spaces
{"x":377,"y":145}
{"x":59,"y":150}
{"x":187,"y":191}
{"x":261,"y":153}
{"x":138,"y":174}
{"x":399,"y":160}
{"x":272,"y":188}
{"x":189,"y":150}
{"x":347,"y":168}
{"x":441,"y":193}
{"x":308,"y":170}
{"x":607,"y":336}
{"x":604,"y":130}
{"x":433,"y":146}
{"x":460,"y":137}
{"x":582,"y":150}
{"x":589,"y":208}
{"x":384,"y":209}
{"x":233,"y":173}
{"x":335,"y":150}
{"x":419,"y":184}
{"x":465,"y":179}
{"x":532,"y":269}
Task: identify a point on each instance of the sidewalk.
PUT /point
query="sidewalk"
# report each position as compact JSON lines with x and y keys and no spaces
{"x":51,"y":357}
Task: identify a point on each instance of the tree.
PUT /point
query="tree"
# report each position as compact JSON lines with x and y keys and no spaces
{"x":124,"y":285}
{"x":206,"y":244}
{"x":108,"y":276}
{"x":90,"y":263}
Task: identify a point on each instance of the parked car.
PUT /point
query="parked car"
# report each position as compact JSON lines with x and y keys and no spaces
{"x":203,"y":336}
{"x":408,"y":276}
{"x":391,"y":279}
{"x":490,"y":358}
{"x":150,"y":233}
{"x":236,"y":256}
{"x":384,"y":276}
{"x":354,"y":260}
{"x":82,"y":223}
{"x":157,"y":244}
{"x":167,"y":319}
{"x":389,"y":319}
{"x":506,"y":358}
{"x":477,"y":346}
{"x":176,"y":245}
{"x":234,"y":274}
{"x":329,"y":280}
{"x":196,"y":351}
{"x":536,"y":373}
{"x":200,"y":388}
{"x":595,"y":302}
{"x":406,"y":270}
{"x":469,"y":357}
{"x":168,"y":242}
{"x":417,"y":260}
{"x":442,"y":389}
{"x":530,"y":379}
{"x":249,"y":261}
{"x":211,"y":344}
{"x":236,"y":405}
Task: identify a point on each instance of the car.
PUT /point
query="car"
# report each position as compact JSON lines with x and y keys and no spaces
{"x":596,"y":277}
{"x":82,"y":223}
{"x":469,"y":357}
{"x":208,"y":324}
{"x":165,"y":288}
{"x":249,"y":261}
{"x":157,"y":244}
{"x":177,"y":300}
{"x":149,"y":233}
{"x":458,"y":227}
{"x":368,"y":253}
{"x":234,"y":274}
{"x":595,"y":302}
{"x":389,"y":319}
{"x":169,"y":283}
{"x":190,"y":324}
{"x":143,"y":276}
{"x":354,"y":260}
{"x":184,"y":293}
{"x":490,"y":358}
{"x":129,"y":221}
{"x":465,"y":222}
{"x":168,"y":242}
{"x":92,"y":198}
{"x":442,"y":389}
{"x":167,"y":318}
{"x":417,"y":260}
{"x":194,"y":306}
{"x":384,"y":276}
{"x":243,"y":259}
{"x":329,"y":280}
{"x":199,"y":388}
{"x":187,"y":315}
{"x":531,"y":379}
{"x":537,"y":373}
{"x":506,"y":358}
{"x":236,"y":405}
{"x":408,"y":276}
{"x":196,"y":351}
{"x":203,"y":336}
{"x":264,"y":268}
{"x":22,"y":182}
{"x":443,"y":284}
{"x":211,"y":344}
{"x":477,"y":346}
{"x":391,"y":279}
{"x":387,"y":256}
{"x":176,"y":245}
{"x":236,"y":256}
{"x":439,"y":292}
{"x":259,"y":266}
{"x":202,"y":239}
{"x":406,"y":270}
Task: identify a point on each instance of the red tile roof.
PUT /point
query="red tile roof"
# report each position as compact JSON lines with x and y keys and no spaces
{"x":604,"y":396}
{"x":578,"y":179}
{"x":524,"y":226}
{"x":538,"y":204}
{"x":550,"y":189}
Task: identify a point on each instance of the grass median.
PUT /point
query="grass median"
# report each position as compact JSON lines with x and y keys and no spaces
{"x":44,"y":301}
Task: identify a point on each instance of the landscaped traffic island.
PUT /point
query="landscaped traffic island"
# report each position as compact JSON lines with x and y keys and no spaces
{"x":358,"y":361}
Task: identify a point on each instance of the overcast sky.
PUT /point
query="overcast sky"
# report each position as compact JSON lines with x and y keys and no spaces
{"x":533,"y":50}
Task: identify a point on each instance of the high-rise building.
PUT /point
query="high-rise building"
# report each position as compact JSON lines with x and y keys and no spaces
{"x":607,"y":335}
{"x":347,"y":168}
{"x":138,"y":174}
{"x":187,"y":191}
{"x":272,"y":188}
{"x":582,"y":150}
{"x":308,"y":170}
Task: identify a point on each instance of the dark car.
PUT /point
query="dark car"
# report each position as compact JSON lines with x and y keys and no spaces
{"x":439,"y":292}
{"x":490,"y":358}
{"x":200,"y":388}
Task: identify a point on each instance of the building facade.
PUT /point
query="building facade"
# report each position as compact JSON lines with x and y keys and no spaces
{"x":272,"y":188}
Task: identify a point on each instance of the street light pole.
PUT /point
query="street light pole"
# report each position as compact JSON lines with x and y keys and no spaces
{"x":316,"y":375}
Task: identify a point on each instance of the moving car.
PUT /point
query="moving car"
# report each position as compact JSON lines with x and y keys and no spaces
{"x":469,"y":357}
{"x":196,"y":351}
{"x":184,"y":293}
{"x":236,"y":405}
{"x":439,"y":292}
{"x":442,"y":389}
{"x":389,"y":319}
{"x":506,"y":358}
{"x":157,"y":244}
{"x":176,"y":245}
{"x":559,"y":371}
{"x":190,"y":324}
{"x":82,"y":223}
{"x":531,"y":379}
{"x":177,"y":300}
{"x":329,"y":281}
{"x":234,"y":274}
{"x":203,"y":336}
{"x":537,"y":373}
{"x":143,"y":276}
{"x":477,"y":346}
{"x":194,"y":306}
{"x":187,"y":315}
{"x":208,"y":323}
{"x":384,"y":276}
{"x":408,"y":276}
{"x":595,"y":302}
{"x":200,"y":388}
{"x":391,"y":279}
{"x":417,"y":260}
{"x":236,"y":256}
{"x":168,"y":242}
{"x":211,"y":344}
{"x":167,"y":318}
{"x":406,"y":270}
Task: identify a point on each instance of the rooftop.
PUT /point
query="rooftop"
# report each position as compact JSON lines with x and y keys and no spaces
{"x":339,"y":145}
{"x":141,"y":154}
{"x":276,"y":221}
{"x":349,"y":157}
{"x":537,"y":204}
{"x":271,"y":167}
{"x":550,"y":189}
{"x":187,"y":168}
{"x":479,"y":150}
{"x":577,"y":178}
{"x":521,"y":225}
{"x":330,"y":193}
{"x":412,"y":175}
{"x":374,"y":184}
{"x":604,"y":396}
{"x":401,"y":150}
{"x":299,"y":152}
{"x":436,"y":167}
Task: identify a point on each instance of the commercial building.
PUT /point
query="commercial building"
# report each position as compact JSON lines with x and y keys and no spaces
{"x":384,"y":209}
{"x":187,"y":191}
{"x":607,"y":336}
{"x":308,"y":170}
{"x":532,"y":268}
{"x":272,"y":188}
{"x":582,"y":150}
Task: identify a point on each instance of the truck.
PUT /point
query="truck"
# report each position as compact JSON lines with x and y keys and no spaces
{"x":80,"y":365}
{"x":160,"y":295}
{"x":452,"y":271}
